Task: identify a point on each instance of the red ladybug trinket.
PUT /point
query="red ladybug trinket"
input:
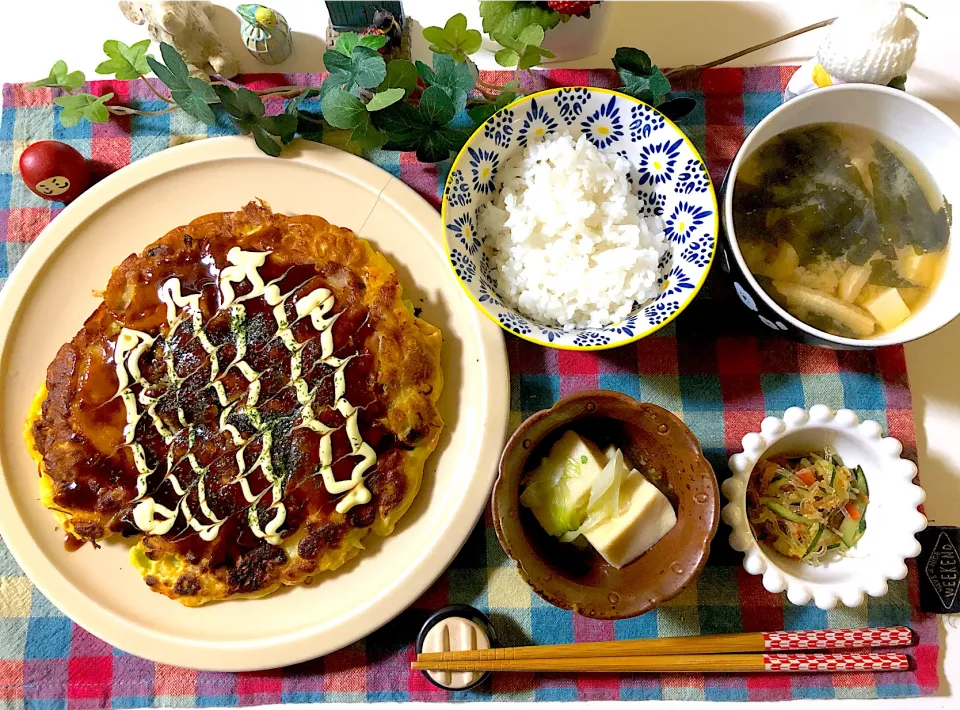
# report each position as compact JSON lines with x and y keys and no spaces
{"x":54,"y":170}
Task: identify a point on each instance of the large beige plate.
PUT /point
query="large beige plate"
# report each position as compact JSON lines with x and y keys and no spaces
{"x":49,"y":296}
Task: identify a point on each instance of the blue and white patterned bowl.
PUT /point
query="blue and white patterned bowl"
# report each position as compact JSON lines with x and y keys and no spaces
{"x":668,"y":174}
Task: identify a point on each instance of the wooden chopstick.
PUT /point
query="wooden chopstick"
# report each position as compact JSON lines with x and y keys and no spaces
{"x":826,"y":639}
{"x":722,"y":663}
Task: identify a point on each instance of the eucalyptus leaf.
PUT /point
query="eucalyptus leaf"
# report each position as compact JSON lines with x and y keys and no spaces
{"x":126,"y":63}
{"x":341,"y":109}
{"x":61,"y":78}
{"x":384,"y":98}
{"x":401,"y":74}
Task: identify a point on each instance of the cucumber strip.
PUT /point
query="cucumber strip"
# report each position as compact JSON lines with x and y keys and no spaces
{"x":816,"y":541}
{"x":862,"y":482}
{"x":848,"y":531}
{"x":784,"y":512}
{"x":861,"y":529}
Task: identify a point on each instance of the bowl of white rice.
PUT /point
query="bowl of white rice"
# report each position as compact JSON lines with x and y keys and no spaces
{"x":580,"y":218}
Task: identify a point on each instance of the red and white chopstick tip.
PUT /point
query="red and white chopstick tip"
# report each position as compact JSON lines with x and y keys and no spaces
{"x":886,"y":637}
{"x":833,"y":662}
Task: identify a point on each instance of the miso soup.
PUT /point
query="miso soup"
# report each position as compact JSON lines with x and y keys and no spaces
{"x":841,"y":227}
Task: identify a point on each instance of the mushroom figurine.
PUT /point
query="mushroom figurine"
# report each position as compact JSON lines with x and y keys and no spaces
{"x":54,"y":171}
{"x":265,"y":33}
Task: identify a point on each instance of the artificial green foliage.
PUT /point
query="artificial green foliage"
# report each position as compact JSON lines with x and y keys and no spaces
{"x":523,"y":52}
{"x":401,"y":74}
{"x":384,"y":98}
{"x":367,"y":100}
{"x":425,"y":128}
{"x":454,"y":38}
{"x":88,"y":106}
{"x":191,"y":94}
{"x":61,"y":78}
{"x":348,"y":40}
{"x":641,"y":78}
{"x":124,"y":62}
{"x":456,"y":79}
{"x":364,"y":68}
{"x":481,"y":112}
{"x":511,"y":18}
{"x":246,"y":111}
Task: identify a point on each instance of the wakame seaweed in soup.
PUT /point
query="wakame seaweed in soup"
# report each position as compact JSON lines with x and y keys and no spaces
{"x":838,"y":229}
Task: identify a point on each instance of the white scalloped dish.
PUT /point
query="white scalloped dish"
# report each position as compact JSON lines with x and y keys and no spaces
{"x":892,"y":516}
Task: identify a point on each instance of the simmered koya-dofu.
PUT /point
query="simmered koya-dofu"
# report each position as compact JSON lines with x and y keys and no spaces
{"x":838,"y":229}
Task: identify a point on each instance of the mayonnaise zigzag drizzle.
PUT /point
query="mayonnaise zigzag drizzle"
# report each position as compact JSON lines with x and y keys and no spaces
{"x":317,"y":306}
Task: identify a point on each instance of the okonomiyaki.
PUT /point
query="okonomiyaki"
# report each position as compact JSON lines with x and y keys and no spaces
{"x":252,"y":397}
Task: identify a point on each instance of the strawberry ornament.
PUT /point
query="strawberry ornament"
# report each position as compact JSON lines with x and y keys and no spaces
{"x":570,"y":8}
{"x":54,"y":170}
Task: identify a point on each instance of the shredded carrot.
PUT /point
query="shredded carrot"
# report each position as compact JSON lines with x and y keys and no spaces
{"x":851,"y":510}
{"x":807,"y":476}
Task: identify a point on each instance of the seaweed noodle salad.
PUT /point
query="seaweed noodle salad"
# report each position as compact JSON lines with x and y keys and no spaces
{"x":809,"y":505}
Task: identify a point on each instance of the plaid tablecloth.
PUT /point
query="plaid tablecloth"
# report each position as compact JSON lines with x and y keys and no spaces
{"x":709,"y":367}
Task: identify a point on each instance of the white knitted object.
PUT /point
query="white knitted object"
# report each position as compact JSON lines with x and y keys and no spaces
{"x":872,"y":43}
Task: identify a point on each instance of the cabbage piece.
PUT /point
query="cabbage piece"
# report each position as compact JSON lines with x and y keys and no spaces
{"x":549,"y":497}
{"x":604,"y":502}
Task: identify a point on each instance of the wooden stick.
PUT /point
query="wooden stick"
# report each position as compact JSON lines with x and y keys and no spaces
{"x":749,"y":50}
{"x":718,"y":663}
{"x":825,"y":639}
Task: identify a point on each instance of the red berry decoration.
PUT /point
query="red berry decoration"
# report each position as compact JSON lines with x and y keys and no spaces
{"x":54,"y":170}
{"x":570,"y":8}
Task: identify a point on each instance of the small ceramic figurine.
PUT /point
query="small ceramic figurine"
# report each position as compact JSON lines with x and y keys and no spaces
{"x":873,"y":42}
{"x":54,"y":170}
{"x":265,"y":33}
{"x":186,"y":26}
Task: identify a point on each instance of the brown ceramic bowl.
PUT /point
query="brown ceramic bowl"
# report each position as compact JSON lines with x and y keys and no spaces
{"x":659,"y":445}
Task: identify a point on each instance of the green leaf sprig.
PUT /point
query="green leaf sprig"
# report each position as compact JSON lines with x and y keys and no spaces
{"x":60,"y":77}
{"x":88,"y":106}
{"x":125,"y":62}
{"x":191,"y":94}
{"x":454,"y":38}
{"x":246,"y":111}
{"x":525,"y":51}
{"x":368,"y":100}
